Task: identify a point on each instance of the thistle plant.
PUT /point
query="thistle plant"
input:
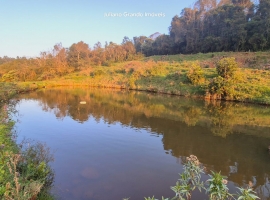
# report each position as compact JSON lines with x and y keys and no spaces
{"x":190,"y":179}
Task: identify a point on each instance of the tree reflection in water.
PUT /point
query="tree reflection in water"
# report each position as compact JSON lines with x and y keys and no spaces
{"x":227,"y":137}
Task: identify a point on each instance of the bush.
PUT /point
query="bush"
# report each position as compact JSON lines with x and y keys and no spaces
{"x":222,"y":88}
{"x":216,"y":86}
{"x":226,"y":67}
{"x":132,"y":81}
{"x":11,"y":76}
{"x":195,"y":74}
{"x":99,"y":72}
{"x":158,"y":69}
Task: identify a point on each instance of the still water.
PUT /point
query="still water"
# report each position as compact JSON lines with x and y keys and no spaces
{"x":124,"y":144}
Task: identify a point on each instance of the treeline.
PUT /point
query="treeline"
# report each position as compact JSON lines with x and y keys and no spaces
{"x":79,"y":55}
{"x":5,"y":59}
{"x":214,"y":26}
{"x":60,"y":61}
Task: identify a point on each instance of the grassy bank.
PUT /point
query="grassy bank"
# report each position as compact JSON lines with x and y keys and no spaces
{"x":9,"y":90}
{"x":24,"y":170}
{"x":195,"y":76}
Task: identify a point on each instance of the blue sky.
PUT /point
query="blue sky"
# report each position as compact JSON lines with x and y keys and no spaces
{"x":31,"y":26}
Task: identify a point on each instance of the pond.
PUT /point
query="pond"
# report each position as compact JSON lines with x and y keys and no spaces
{"x":122,"y":144}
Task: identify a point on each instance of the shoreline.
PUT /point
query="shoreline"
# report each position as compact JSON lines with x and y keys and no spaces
{"x":17,"y":159}
{"x":55,"y":84}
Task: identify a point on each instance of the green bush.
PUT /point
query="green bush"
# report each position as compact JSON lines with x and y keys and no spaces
{"x":225,"y":85}
{"x":195,"y":74}
{"x":227,"y":67}
{"x":11,"y":76}
{"x":222,"y":88}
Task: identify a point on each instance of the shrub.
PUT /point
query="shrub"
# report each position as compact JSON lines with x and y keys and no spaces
{"x":10,"y":76}
{"x":132,"y":81}
{"x":216,"y":86}
{"x":27,"y":173}
{"x":99,"y":72}
{"x":158,"y":69}
{"x":226,"y":67}
{"x":222,"y":88}
{"x":195,"y":74}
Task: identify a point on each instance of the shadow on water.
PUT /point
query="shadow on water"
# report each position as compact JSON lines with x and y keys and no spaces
{"x":229,"y":137}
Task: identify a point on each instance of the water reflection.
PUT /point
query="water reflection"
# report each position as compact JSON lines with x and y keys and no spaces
{"x":228,"y":137}
{"x":264,"y":190}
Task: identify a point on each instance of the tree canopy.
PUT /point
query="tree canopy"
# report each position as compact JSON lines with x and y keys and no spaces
{"x":212,"y":26}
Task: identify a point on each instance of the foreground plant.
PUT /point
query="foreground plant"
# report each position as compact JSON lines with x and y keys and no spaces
{"x":216,"y":186}
{"x":25,"y":173}
{"x":18,"y":188}
{"x":190,"y":179}
{"x":247,"y":193}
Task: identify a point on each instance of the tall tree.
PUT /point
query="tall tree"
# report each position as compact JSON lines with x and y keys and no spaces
{"x":138,"y":42}
{"x":128,"y":48}
{"x":78,"y":54}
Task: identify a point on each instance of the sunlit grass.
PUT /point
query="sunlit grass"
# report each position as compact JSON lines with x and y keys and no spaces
{"x":165,"y":77}
{"x":168,"y":74}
